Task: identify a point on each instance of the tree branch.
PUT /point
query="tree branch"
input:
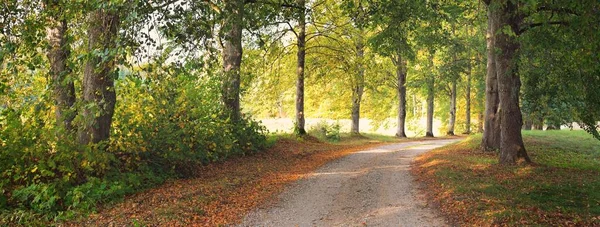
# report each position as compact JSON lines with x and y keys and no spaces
{"x":292,"y":29}
{"x":533,"y":25}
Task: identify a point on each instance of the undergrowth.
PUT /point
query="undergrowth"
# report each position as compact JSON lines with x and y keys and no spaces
{"x":166,"y":125}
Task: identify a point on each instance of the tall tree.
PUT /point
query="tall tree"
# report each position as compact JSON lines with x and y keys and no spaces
{"x":505,"y":15}
{"x":58,"y":52}
{"x":395,"y":23}
{"x":430,"y":85}
{"x":509,"y":84}
{"x":301,"y":43}
{"x":491,"y":128}
{"x":358,"y":17}
{"x":99,"y":95}
{"x":468,"y":99}
{"x":401,"y":70}
{"x":452,"y":120}
{"x":232,"y":56}
{"x":359,"y":84}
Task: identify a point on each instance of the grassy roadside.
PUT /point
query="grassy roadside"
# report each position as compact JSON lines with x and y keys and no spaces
{"x":561,"y":189}
{"x":223,"y":192}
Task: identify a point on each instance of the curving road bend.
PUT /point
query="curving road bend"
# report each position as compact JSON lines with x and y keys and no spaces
{"x":368,"y":188}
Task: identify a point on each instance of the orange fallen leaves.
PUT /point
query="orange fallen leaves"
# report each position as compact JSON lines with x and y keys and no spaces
{"x":468,"y":208}
{"x":222,"y":193}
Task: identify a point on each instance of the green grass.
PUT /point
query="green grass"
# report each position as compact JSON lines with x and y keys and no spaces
{"x":561,"y":188}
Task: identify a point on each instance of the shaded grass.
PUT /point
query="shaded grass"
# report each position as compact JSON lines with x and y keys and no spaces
{"x":562,"y":188}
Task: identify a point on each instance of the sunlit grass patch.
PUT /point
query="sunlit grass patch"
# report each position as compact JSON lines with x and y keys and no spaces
{"x":561,"y":188}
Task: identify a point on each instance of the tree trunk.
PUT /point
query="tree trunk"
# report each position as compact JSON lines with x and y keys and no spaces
{"x":357,"y":93}
{"x":430,"y":99}
{"x":527,"y":124}
{"x":468,"y":102}
{"x":491,"y":131}
{"x":452,"y":121}
{"x":480,"y":122}
{"x":232,"y":57}
{"x":62,"y":84}
{"x":539,"y":124}
{"x":509,"y":83}
{"x":99,"y":96}
{"x":401,"y":75}
{"x":358,"y":89}
{"x":300,"y":70}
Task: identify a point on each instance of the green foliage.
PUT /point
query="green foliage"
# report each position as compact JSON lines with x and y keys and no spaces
{"x":326,"y":131}
{"x":168,"y":121}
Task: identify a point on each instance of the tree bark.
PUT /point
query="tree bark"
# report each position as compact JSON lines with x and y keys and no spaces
{"x":62,"y":84}
{"x":357,"y":93}
{"x":480,"y":122}
{"x":99,"y":95}
{"x":300,"y":70}
{"x":491,"y":131}
{"x":452,"y":120}
{"x":509,"y":83}
{"x":468,"y":102}
{"x":358,"y":89}
{"x":401,"y":75}
{"x":232,"y":57}
{"x":430,"y":99}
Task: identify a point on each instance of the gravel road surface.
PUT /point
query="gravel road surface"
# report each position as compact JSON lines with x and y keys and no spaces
{"x":367,"y":188}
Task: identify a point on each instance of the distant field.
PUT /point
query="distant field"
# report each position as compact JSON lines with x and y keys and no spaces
{"x":286,"y":125}
{"x":414,"y":128}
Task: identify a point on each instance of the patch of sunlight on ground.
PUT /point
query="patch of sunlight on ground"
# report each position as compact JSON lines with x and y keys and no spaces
{"x":434,"y":163}
{"x":376,"y":151}
{"x":526,"y":171}
{"x":480,"y":167}
{"x":355,"y":173}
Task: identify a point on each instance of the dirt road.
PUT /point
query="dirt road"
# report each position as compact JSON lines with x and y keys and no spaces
{"x":368,"y":188}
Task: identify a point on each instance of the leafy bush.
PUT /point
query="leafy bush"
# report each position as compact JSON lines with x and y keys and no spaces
{"x":168,"y":121}
{"x":326,"y":131}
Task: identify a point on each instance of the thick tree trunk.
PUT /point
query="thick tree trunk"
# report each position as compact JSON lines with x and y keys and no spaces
{"x":300,"y":70}
{"x":491,"y":131}
{"x":358,"y":89}
{"x":232,"y":57}
{"x":401,"y":75}
{"x":468,"y":102}
{"x":509,"y":83}
{"x":62,"y":84}
{"x":430,"y":99}
{"x":452,"y":120}
{"x":99,"y":96}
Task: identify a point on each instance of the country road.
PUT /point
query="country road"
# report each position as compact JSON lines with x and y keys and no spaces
{"x":368,"y":188}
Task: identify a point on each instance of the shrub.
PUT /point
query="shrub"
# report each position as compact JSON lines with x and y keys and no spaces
{"x":167,"y":122}
{"x":326,"y":131}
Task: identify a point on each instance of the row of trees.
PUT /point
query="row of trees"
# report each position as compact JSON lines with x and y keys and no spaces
{"x":363,"y":51}
{"x":441,"y":44}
